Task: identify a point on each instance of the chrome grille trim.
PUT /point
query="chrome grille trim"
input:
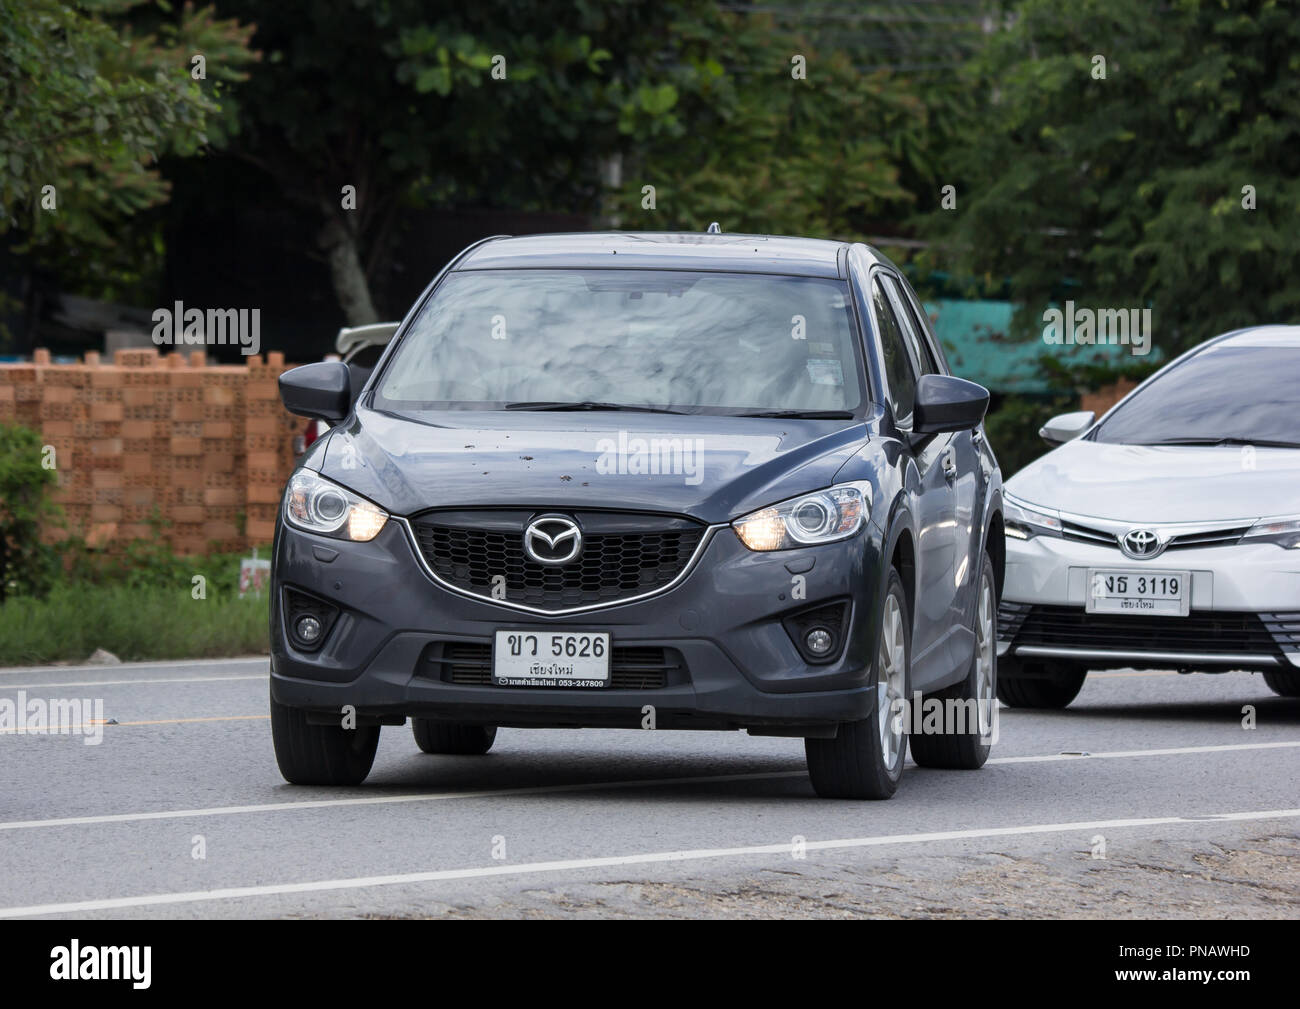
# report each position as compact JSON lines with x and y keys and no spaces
{"x":413,"y":542}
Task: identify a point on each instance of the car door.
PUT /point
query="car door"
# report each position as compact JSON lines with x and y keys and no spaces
{"x":964,"y":473}
{"x":932,"y":494}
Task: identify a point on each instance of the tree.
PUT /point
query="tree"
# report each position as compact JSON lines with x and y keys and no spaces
{"x":90,"y":102}
{"x":369,"y":107}
{"x":765,"y":129}
{"x":1144,"y":156}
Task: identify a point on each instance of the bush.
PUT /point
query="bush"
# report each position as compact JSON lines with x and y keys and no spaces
{"x":27,"y":566}
{"x":132,"y":623}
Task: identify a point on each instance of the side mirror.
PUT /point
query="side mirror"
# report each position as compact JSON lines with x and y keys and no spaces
{"x":322,"y":390}
{"x":1066,"y":426}
{"x":946,"y":403}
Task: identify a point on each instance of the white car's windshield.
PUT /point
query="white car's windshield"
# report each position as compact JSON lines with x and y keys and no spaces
{"x":686,"y":341}
{"x":1226,"y":395}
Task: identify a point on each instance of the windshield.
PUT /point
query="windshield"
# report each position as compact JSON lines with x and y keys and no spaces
{"x":1224,"y":395}
{"x":598,"y":339}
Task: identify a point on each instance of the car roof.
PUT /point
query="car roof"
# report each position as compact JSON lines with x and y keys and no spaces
{"x":661,"y":250}
{"x":1261,"y":336}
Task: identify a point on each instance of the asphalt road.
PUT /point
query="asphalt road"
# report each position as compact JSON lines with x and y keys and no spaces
{"x":1175,"y":811}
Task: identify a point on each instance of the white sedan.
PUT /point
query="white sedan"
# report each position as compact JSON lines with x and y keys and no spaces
{"x":1167,"y":534}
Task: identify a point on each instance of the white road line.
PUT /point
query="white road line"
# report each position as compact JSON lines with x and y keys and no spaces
{"x":6,"y":687}
{"x":155,"y":664}
{"x":380,"y":800}
{"x":646,"y":858}
{"x":1170,"y":752}
{"x":588,"y":786}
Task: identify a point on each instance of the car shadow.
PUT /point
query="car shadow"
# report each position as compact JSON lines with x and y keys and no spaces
{"x":1268,"y":711}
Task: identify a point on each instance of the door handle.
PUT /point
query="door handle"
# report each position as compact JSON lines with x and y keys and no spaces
{"x":949,"y":463}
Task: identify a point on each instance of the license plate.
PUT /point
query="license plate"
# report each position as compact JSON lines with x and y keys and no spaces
{"x":1129,"y":590}
{"x":550,"y":659}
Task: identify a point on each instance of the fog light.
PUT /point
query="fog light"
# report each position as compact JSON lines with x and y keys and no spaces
{"x":307,"y":629}
{"x":819,"y":641}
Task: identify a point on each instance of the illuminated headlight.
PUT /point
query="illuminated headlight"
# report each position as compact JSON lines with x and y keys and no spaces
{"x":824,"y":517}
{"x":320,"y":506}
{"x":1023,"y":520}
{"x":1284,"y":532}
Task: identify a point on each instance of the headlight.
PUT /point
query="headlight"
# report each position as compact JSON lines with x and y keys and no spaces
{"x":320,"y":506}
{"x":1283,"y":532}
{"x":824,"y":517}
{"x":1024,"y":521}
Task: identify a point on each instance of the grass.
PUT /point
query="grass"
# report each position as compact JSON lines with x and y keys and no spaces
{"x":134,"y":623}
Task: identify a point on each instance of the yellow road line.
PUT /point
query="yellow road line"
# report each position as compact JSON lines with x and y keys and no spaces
{"x":156,"y":721}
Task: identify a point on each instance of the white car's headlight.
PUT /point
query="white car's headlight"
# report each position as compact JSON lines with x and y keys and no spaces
{"x":321,"y":506}
{"x":1023,"y":520}
{"x":1285,"y":532}
{"x":821,"y":517}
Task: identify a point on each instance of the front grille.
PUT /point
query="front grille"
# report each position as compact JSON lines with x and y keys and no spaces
{"x":1213,"y":538}
{"x":622,"y":556}
{"x":1200,"y":631}
{"x":1285,"y":628}
{"x":1181,"y":541}
{"x":632,"y":667}
{"x":1074,"y":531}
{"x":1010,"y":618}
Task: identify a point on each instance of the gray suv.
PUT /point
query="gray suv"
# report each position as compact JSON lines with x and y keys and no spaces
{"x":672,"y":481}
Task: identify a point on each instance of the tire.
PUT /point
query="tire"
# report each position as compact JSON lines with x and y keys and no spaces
{"x":320,"y":754}
{"x":1283,"y":682}
{"x":865,"y":759}
{"x":966,"y":737}
{"x":1053,"y":686}
{"x":452,"y":737}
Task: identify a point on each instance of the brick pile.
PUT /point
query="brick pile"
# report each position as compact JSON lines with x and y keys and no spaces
{"x":209,"y":447}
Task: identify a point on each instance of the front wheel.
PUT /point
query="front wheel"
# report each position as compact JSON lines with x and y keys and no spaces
{"x":311,"y":754}
{"x":1284,"y":683}
{"x":966,"y":710}
{"x":865,"y":759}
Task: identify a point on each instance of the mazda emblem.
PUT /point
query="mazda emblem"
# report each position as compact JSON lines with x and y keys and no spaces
{"x":552,"y":539}
{"x":1140,"y":543}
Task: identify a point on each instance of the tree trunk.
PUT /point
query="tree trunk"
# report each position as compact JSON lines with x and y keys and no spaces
{"x":351,"y":288}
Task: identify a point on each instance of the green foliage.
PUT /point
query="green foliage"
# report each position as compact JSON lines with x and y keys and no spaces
{"x":1131,"y":187}
{"x":733,"y":135}
{"x":133,"y":623}
{"x":27,"y":566}
{"x":90,"y":103}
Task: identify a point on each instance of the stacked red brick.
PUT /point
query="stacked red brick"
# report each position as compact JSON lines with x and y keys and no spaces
{"x":205,"y":447}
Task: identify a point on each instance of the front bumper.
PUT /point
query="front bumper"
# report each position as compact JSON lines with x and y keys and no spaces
{"x":733,"y":665}
{"x":1244,"y":608}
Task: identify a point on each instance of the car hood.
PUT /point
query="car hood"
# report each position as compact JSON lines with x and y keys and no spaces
{"x":710,"y":468}
{"x":1163,"y":483}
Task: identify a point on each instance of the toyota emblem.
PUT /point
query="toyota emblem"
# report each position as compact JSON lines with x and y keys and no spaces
{"x":552,"y":539}
{"x":1141,"y":543}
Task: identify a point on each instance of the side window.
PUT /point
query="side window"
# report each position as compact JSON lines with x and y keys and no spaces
{"x":912,"y":330}
{"x":898,"y":365}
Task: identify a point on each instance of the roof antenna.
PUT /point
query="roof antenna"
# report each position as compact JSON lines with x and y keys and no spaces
{"x":714,"y":229}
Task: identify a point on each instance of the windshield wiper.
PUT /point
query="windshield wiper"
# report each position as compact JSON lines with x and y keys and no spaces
{"x":806,"y":414}
{"x":1260,"y":442}
{"x":543,"y":404}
